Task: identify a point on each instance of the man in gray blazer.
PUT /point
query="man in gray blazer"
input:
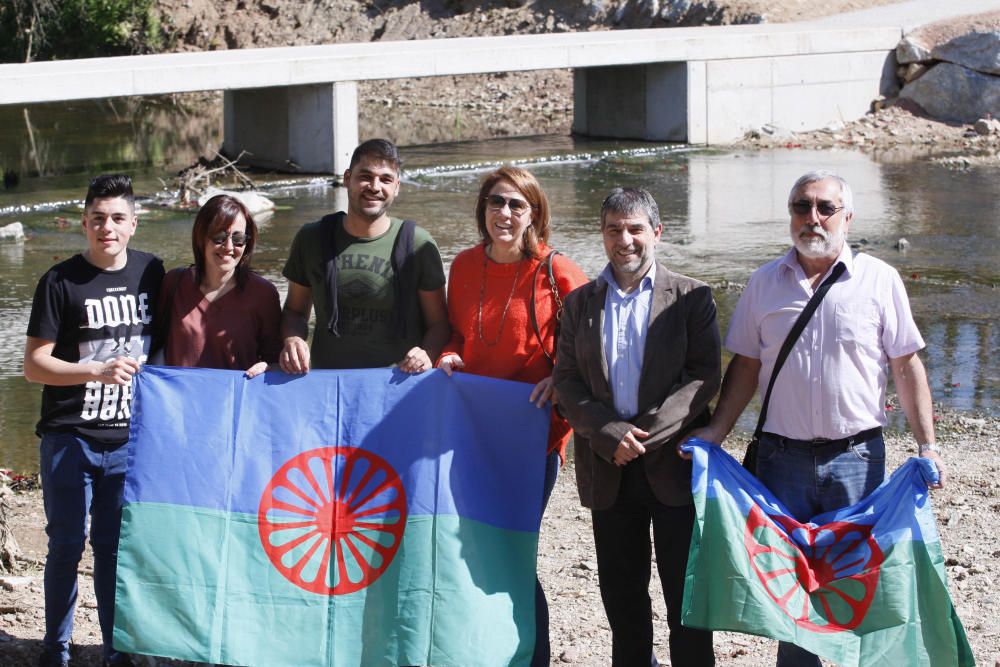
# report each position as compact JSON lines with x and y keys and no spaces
{"x":639,"y":362}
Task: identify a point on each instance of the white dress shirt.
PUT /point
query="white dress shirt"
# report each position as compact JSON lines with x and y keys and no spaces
{"x":833,"y":382}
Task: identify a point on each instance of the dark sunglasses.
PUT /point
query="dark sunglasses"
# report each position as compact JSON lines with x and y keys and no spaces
{"x":516,"y":206}
{"x":239,"y":238}
{"x":805,"y":207}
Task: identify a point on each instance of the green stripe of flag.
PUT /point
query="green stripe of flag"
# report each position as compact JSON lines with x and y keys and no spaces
{"x":725,"y":593}
{"x":196,"y":584}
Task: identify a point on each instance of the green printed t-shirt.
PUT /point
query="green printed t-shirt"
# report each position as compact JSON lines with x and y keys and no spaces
{"x":365,"y":294}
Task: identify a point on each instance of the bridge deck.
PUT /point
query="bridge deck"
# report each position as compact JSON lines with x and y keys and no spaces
{"x":303,"y":65}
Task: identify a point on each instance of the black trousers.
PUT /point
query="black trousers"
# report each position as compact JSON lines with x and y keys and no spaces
{"x":624,"y":564}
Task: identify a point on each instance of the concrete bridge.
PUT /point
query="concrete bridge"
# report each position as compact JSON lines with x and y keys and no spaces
{"x":703,"y":85}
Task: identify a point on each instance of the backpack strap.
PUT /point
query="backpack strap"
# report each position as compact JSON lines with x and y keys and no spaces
{"x":403,"y":275}
{"x":403,"y":269}
{"x":329,"y":225}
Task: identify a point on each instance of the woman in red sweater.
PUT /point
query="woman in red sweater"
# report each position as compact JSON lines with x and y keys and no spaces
{"x":219,"y":313}
{"x":495,"y":291}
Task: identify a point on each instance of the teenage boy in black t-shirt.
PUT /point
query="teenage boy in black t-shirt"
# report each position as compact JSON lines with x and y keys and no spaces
{"x":89,"y":332}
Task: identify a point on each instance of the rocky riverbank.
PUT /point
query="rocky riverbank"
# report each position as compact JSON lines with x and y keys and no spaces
{"x":967,"y":511}
{"x":947,"y":107}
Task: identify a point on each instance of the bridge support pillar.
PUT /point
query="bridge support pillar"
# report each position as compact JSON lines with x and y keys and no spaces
{"x":310,"y":128}
{"x":655,"y":102}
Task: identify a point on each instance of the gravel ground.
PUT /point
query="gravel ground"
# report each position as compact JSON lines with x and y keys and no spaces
{"x":968,"y":510}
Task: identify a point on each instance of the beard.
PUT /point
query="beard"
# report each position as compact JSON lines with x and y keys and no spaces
{"x":635,"y":265}
{"x":823,"y":244}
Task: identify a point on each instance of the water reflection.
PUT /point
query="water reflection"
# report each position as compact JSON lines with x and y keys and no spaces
{"x":724,"y":213}
{"x":101,"y":135}
{"x":963,"y":375}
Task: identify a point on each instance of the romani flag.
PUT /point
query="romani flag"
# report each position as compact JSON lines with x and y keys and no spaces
{"x":337,"y":518}
{"x":864,"y":585}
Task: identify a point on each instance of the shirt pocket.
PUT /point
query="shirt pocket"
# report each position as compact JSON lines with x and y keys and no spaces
{"x":858,"y":323}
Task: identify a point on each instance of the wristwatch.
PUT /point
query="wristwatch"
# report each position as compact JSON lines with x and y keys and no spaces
{"x":928,"y":447}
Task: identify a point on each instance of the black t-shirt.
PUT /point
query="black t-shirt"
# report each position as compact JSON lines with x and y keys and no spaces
{"x":94,"y":315}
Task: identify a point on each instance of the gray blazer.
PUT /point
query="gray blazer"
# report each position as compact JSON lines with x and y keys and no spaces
{"x":681,"y":373}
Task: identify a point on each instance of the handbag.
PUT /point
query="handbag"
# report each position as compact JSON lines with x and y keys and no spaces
{"x":550,"y":274}
{"x":750,"y":458}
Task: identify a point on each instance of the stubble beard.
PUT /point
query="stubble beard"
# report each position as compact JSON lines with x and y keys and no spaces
{"x":636,"y":265}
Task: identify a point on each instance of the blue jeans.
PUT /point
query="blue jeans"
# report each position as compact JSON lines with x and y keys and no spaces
{"x":812,"y":479}
{"x":80,"y":477}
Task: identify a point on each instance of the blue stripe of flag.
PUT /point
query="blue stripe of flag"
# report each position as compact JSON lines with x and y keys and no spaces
{"x":715,"y":473}
{"x":482,"y":437}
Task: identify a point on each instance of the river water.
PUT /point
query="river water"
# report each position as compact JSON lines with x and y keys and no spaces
{"x":723,"y":211}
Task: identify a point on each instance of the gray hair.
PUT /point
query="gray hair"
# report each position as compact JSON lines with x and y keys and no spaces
{"x":846,"y":195}
{"x":629,"y":201}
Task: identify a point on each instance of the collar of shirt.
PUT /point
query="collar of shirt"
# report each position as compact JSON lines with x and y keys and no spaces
{"x":626,"y":320}
{"x":607,"y":277}
{"x":790,"y":262}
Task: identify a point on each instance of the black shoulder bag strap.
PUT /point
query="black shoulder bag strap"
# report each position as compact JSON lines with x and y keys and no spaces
{"x":547,"y":263}
{"x":750,"y":459}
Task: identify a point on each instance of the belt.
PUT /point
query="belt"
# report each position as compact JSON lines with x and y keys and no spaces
{"x":839,"y":443}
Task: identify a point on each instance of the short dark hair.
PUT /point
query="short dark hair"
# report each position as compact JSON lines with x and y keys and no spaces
{"x":629,"y":201}
{"x":377,"y":149}
{"x":216,"y":216}
{"x":110,"y":186}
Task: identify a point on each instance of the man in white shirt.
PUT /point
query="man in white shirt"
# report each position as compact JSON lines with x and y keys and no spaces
{"x":822,"y":446}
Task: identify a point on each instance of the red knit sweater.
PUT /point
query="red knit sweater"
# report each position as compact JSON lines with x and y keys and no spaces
{"x":508,"y":348}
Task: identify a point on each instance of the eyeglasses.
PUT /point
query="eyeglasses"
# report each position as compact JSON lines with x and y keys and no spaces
{"x":805,"y":207}
{"x":518,"y":207}
{"x":239,"y":238}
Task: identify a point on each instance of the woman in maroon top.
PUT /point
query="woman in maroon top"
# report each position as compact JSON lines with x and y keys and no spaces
{"x":218,"y":313}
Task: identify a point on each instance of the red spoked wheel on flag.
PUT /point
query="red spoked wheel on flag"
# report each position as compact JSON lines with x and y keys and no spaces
{"x":332,"y":519}
{"x":826,"y":586}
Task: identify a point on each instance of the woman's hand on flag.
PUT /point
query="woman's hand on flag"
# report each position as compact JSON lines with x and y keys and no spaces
{"x":450,"y":363}
{"x":544,"y":391}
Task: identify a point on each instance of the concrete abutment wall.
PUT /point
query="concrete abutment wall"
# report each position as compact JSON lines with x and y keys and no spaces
{"x":718,"y":101}
{"x":310,"y":128}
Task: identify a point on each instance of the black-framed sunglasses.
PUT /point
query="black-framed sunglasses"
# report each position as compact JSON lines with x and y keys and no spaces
{"x":517,"y":206}
{"x":239,"y":238}
{"x":805,"y":207}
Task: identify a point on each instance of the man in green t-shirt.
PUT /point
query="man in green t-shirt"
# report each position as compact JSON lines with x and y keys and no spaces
{"x":377,"y":283}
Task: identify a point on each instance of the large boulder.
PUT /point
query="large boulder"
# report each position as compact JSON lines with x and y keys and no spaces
{"x":912,"y":49}
{"x":954,"y":93}
{"x":976,"y":50}
{"x":919,"y":43}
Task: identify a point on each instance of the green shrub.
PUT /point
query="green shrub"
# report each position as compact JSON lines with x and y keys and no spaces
{"x":61,"y":29}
